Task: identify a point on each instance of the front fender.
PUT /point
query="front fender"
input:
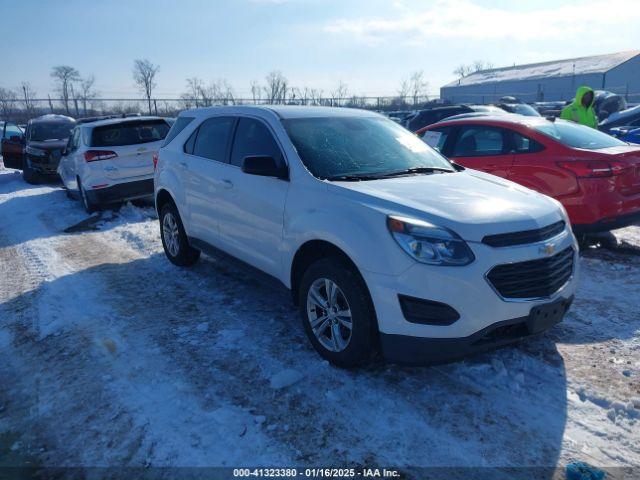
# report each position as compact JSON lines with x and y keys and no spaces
{"x":361,"y":233}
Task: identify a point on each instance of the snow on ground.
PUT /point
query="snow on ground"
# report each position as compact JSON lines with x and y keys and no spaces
{"x":111,"y":356}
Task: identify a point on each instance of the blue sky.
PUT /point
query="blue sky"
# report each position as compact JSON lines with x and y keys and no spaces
{"x":368,"y":44}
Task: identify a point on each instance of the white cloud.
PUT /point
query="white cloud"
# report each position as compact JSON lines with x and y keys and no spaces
{"x":467,"y":19}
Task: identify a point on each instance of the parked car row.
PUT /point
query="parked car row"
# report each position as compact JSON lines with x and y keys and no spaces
{"x":609,"y":107}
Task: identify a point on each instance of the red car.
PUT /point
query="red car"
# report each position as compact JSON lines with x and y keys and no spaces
{"x":595,"y":176}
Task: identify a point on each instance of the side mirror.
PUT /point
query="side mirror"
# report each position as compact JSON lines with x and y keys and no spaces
{"x":264,"y":166}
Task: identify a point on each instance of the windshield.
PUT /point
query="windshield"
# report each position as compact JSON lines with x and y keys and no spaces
{"x":522,"y":109}
{"x":40,"y":132}
{"x":359,"y":146}
{"x":577,"y":136}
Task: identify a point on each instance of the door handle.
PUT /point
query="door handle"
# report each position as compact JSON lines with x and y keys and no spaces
{"x":184,"y":165}
{"x":226,"y":183}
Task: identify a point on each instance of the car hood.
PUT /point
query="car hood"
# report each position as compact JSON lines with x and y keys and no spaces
{"x":471,"y":203}
{"x":48,"y":144}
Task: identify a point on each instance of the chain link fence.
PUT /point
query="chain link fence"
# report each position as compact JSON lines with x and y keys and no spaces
{"x":21,"y":111}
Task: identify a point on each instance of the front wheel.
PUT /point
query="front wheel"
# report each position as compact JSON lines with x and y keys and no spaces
{"x":174,"y":238}
{"x":337,"y":313}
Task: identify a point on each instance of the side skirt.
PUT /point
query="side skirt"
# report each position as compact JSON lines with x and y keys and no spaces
{"x":216,"y":253}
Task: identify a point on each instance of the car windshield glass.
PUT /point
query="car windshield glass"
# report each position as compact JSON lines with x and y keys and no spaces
{"x":334,"y":147}
{"x":129,"y":133}
{"x":40,"y":132}
{"x":577,"y":136}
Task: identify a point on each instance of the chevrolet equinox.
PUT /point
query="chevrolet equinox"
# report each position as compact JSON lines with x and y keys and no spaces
{"x":386,"y":246}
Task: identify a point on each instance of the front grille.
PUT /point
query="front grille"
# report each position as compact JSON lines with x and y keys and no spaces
{"x":534,"y":278}
{"x":524,"y":237}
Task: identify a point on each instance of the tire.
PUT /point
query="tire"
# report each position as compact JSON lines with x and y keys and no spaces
{"x":88,"y":205}
{"x":341,"y":346}
{"x":174,"y":238}
{"x":28,"y":175}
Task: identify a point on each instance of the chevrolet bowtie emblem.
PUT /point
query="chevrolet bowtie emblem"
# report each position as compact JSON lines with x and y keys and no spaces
{"x":548,"y":249}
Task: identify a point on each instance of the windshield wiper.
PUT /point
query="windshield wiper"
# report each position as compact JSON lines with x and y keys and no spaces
{"x":354,"y":178}
{"x":409,"y":171}
{"x":378,"y":176}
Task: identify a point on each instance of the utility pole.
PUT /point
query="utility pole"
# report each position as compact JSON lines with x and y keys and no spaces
{"x":50,"y":103}
{"x":27,"y":104}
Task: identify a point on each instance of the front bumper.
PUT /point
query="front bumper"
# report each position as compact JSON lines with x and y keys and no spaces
{"x":409,"y":350}
{"x":43,"y":165}
{"x":465,"y":289}
{"x":121,"y":192}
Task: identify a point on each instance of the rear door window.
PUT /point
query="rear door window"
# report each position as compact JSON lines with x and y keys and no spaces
{"x":129,"y":133}
{"x":253,"y":138}
{"x":212,"y":138}
{"x":479,"y":141}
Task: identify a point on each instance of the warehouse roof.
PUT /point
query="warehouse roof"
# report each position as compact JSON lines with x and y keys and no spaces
{"x":556,"y":68}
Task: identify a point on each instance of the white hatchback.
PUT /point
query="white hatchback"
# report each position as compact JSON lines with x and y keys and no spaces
{"x":109,"y":161}
{"x":385,"y":244}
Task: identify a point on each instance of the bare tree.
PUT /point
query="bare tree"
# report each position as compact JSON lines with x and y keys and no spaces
{"x":418,"y":86}
{"x":403,"y":91}
{"x":28,"y":94}
{"x":463,"y":70}
{"x":315,"y":96}
{"x":339,"y":94}
{"x":144,"y":75}
{"x":8,"y":100}
{"x":64,"y":76}
{"x":86,"y":91}
{"x":277,"y":87}
{"x":195,"y":89}
{"x":480,"y":65}
{"x":477,"y":66}
{"x":256,"y":91}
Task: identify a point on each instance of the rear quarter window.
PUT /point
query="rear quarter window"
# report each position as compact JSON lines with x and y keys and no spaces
{"x":177,"y":127}
{"x":129,"y":133}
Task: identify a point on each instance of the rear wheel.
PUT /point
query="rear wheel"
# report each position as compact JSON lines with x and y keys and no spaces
{"x":88,"y":205}
{"x":174,"y":238}
{"x":337,"y":313}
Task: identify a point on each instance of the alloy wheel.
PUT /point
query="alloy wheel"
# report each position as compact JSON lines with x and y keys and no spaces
{"x":170,"y":234}
{"x":329,"y":315}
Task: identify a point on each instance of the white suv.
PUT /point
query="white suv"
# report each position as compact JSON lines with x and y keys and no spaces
{"x":386,"y":245}
{"x":109,"y":161}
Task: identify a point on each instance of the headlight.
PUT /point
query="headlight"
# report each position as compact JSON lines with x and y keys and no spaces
{"x":429,"y":244}
{"x":36,"y":152}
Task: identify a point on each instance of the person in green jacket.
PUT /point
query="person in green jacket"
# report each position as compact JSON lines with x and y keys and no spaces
{"x":581,"y":109}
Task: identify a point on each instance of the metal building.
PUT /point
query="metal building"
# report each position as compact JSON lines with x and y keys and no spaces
{"x":549,"y":81}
